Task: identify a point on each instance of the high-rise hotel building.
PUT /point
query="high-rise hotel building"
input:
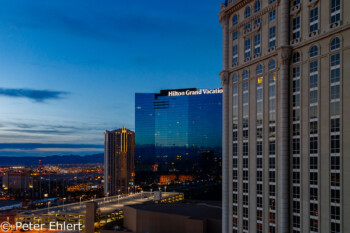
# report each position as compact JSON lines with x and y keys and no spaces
{"x":286,"y":115}
{"x":119,"y":161}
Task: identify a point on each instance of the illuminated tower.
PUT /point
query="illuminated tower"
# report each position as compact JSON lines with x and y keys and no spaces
{"x":119,"y":161}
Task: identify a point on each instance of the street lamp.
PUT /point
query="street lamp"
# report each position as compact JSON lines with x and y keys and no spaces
{"x":48,"y":207}
{"x":63,"y":203}
{"x":80,"y":200}
{"x":118,"y":196}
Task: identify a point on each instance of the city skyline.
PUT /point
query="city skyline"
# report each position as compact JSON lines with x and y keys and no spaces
{"x":53,"y":54}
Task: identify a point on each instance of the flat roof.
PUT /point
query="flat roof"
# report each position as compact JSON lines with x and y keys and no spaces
{"x":197,"y":211}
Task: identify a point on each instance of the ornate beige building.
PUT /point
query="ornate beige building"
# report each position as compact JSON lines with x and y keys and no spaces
{"x":286,"y":111}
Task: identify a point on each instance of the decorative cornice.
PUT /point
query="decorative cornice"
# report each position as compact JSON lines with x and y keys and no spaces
{"x":322,"y":36}
{"x":254,"y":61}
{"x":255,"y":16}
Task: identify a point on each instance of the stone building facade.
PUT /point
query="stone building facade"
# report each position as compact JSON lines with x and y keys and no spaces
{"x":286,"y":138}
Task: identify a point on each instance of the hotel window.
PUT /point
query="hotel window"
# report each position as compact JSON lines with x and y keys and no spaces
{"x":235,"y":78}
{"x":296,"y":192}
{"x":272,"y":64}
{"x":246,"y":27}
{"x":296,"y":27}
{"x":257,"y":44}
{"x":296,"y":57}
{"x":335,"y":196}
{"x":235,"y":20}
{"x":257,"y":21}
{"x":235,"y":35}
{"x":335,"y":44}
{"x":235,"y":54}
{"x":314,"y":19}
{"x":296,"y":146}
{"x":335,"y":11}
{"x":271,"y":1}
{"x":247,"y":12}
{"x":257,"y":5}
{"x":296,"y":207}
{"x":272,"y":36}
{"x":272,"y":15}
{"x":296,"y":221}
{"x":313,"y":51}
{"x":245,"y":76}
{"x":259,"y":69}
{"x":335,"y":227}
{"x":314,"y":225}
{"x":247,"y":48}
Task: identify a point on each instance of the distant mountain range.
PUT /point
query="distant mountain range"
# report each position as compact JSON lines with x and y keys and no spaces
{"x":54,"y":159}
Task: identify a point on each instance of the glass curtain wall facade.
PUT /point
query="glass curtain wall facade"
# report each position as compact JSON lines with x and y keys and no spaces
{"x":175,"y":126}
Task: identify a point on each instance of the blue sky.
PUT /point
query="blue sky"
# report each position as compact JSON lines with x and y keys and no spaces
{"x":70,"y":69}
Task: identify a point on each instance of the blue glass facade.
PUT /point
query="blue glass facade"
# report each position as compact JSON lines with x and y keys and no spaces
{"x":177,"y":125}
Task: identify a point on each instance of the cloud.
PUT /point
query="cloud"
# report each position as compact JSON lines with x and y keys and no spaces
{"x":35,"y":95}
{"x":48,"y":147}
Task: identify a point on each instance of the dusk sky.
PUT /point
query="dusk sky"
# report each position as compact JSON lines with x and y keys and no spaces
{"x":70,"y":69}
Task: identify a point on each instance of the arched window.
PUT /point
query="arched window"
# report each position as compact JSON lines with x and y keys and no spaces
{"x":296,"y":57}
{"x":247,"y":12}
{"x":313,"y":51}
{"x":235,"y":19}
{"x":245,"y":74}
{"x":257,"y":6}
{"x":259,"y":69}
{"x":335,"y":43}
{"x":272,"y":64}
{"x":235,"y":78}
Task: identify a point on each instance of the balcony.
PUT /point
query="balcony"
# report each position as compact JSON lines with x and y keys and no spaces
{"x":247,"y":31}
{"x":314,"y":33}
{"x":256,"y":26}
{"x":312,"y":2}
{"x":334,"y":25}
{"x":295,"y":9}
{"x":295,"y":41}
{"x":271,"y":49}
{"x":234,"y":64}
{"x":257,"y":55}
{"x":247,"y":59}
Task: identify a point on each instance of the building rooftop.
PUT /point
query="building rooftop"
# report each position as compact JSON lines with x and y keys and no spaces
{"x":196,"y":211}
